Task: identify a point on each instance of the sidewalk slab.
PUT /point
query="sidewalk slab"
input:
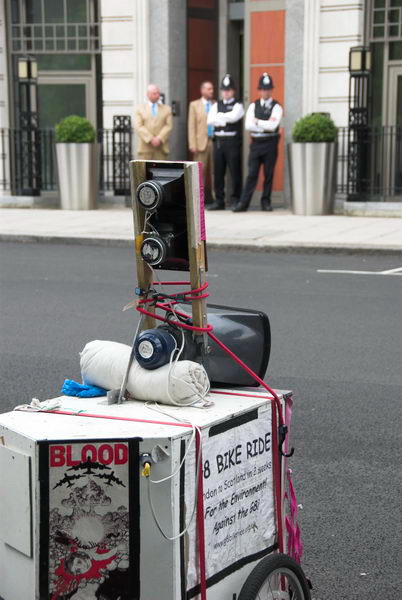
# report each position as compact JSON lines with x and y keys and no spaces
{"x":253,"y":230}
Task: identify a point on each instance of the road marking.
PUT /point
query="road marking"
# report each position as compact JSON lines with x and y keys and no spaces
{"x":392,"y":272}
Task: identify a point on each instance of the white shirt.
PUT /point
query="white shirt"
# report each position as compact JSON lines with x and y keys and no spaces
{"x":220,"y":119}
{"x":150,"y":104}
{"x":211,"y":102}
{"x":262,"y":126}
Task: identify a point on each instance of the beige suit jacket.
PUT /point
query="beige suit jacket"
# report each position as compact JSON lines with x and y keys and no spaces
{"x":197,"y":125}
{"x":148,"y":126}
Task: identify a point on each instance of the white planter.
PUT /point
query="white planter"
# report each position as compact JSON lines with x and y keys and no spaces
{"x":312,"y":171}
{"x":78,"y":176}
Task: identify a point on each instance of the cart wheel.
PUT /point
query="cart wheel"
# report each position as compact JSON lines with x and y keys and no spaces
{"x":276,"y":577}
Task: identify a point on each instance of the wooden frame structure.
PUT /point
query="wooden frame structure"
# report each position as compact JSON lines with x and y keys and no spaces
{"x":195,"y":234}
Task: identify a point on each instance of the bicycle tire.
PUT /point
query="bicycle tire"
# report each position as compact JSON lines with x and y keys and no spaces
{"x":275,"y":564}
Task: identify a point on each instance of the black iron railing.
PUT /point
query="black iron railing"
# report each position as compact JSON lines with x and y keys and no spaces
{"x":4,"y":159}
{"x":370,"y":163}
{"x":116,"y":150}
{"x":385,"y":161}
{"x":342,"y":167}
{"x":373,"y":175}
{"x":28,"y":166}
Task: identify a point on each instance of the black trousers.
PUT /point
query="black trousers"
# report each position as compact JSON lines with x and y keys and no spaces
{"x":227,"y":153}
{"x":262,"y":152}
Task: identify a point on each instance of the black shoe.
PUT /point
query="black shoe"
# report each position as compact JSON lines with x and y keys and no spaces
{"x":266,"y":207}
{"x":240,"y":207}
{"x":216,"y":206}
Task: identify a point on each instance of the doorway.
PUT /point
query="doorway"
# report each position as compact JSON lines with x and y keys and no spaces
{"x":394,"y":127}
{"x":66,"y":86}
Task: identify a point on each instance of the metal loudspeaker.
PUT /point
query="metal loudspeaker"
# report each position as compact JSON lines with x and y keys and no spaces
{"x":162,"y":198}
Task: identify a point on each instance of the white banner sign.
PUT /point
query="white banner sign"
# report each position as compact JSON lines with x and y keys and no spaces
{"x":238,"y":495}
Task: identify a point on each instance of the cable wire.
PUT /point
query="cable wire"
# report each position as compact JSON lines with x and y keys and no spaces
{"x":195,"y":430}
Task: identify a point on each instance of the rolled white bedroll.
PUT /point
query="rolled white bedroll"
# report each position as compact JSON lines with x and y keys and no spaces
{"x":103,"y":364}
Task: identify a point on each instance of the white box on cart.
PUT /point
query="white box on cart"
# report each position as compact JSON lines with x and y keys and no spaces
{"x":76,"y":516}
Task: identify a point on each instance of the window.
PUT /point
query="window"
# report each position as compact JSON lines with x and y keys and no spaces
{"x":386,"y":22}
{"x":46,"y":26}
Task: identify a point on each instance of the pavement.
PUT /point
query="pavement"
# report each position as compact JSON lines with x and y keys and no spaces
{"x":279,"y":230}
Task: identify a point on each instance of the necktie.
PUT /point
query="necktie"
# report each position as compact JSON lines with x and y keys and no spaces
{"x":210,"y":127}
{"x":154,"y":109}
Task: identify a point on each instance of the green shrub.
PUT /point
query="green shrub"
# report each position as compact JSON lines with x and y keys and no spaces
{"x":76,"y":130}
{"x":314,"y":128}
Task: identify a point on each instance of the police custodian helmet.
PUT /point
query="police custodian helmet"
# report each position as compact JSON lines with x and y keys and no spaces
{"x":228,"y":83}
{"x":265,"y":82}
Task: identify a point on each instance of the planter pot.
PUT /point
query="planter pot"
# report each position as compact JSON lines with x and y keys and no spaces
{"x":78,"y":176}
{"x":312,"y":177}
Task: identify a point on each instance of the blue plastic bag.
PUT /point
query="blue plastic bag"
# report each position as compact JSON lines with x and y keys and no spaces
{"x":73,"y":388}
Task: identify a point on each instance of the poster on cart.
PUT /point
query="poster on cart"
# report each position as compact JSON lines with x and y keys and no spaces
{"x":88,"y":534}
{"x":239,"y":517}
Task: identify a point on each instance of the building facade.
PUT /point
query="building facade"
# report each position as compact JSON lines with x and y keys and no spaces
{"x":95,"y":58}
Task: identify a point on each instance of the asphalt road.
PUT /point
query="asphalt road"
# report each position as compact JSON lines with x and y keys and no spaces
{"x":336,"y":343}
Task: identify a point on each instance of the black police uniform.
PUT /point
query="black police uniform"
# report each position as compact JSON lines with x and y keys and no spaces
{"x":227,"y":151}
{"x":263,"y":150}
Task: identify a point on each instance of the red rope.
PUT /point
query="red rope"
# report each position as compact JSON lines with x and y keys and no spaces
{"x":226,"y":393}
{"x":194,"y":291}
{"x":276,"y":473}
{"x":171,"y":283}
{"x":174,"y":322}
{"x":200,"y":521}
{"x":111,"y":417}
{"x":251,"y":373}
{"x":276,"y":416}
{"x":167,"y":306}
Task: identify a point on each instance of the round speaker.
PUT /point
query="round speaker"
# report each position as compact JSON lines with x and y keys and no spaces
{"x":150,"y":194}
{"x":153,"y":348}
{"x":154,"y":250}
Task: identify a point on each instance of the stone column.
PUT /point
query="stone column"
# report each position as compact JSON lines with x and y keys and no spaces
{"x":125,"y":56}
{"x":298,"y":80}
{"x":142,"y":58}
{"x":310,"y":54}
{"x":4,"y":106}
{"x":168,"y":64}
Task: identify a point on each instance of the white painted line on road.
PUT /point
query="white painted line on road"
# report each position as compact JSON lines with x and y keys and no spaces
{"x":391,"y":272}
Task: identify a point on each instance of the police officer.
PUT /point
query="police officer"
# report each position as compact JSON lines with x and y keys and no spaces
{"x":226,"y":117}
{"x":263,"y":119}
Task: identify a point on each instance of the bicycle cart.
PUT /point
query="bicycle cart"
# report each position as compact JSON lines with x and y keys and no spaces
{"x":117,"y":497}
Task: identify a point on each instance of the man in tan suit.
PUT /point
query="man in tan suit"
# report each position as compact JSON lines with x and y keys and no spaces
{"x":153,"y":124}
{"x":199,"y":134}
